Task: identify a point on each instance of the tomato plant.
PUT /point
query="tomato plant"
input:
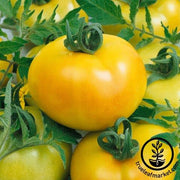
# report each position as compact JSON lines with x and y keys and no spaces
{"x":87,"y":91}
{"x":5,"y":65}
{"x":36,"y":162}
{"x":90,"y":161}
{"x":160,"y":11}
{"x":48,"y":6}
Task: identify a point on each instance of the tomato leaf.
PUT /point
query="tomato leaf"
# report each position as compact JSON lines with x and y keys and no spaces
{"x":16,"y":7}
{"x":134,"y":7}
{"x":40,"y":32}
{"x":61,"y":152}
{"x":6,"y":8}
{"x":59,"y":132}
{"x":159,"y":122}
{"x":103,"y":12}
{"x":170,"y":137}
{"x":23,"y":64}
{"x":177,"y":168}
{"x":148,"y":20}
{"x":144,"y":42}
{"x":144,"y":3}
{"x":126,"y":33}
{"x":8,"y":47}
{"x":28,"y":121}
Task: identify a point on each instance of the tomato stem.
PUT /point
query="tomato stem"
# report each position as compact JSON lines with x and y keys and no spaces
{"x":89,"y":38}
{"x":121,"y":146}
{"x":166,"y":65}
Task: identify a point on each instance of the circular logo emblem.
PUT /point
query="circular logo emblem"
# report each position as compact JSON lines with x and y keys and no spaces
{"x":157,"y":154}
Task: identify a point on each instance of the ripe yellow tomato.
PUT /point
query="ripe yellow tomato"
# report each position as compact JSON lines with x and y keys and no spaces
{"x":88,"y":92}
{"x":90,"y":162}
{"x":161,"y":11}
{"x":64,"y":6}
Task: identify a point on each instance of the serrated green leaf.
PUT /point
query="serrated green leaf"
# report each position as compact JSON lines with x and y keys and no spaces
{"x":24,"y":128}
{"x":143,"y":111}
{"x":159,"y":122}
{"x":28,"y":123}
{"x":134,"y":7}
{"x":16,"y":7}
{"x":9,"y":47}
{"x":144,"y":3}
{"x":166,"y":31}
{"x":144,"y":42}
{"x":148,"y":20}
{"x":126,"y":33}
{"x":60,"y":133}
{"x":103,"y":12}
{"x":15,"y":127}
{"x":169,"y":118}
{"x":32,"y":141}
{"x":6,"y":8}
{"x":170,"y":137}
{"x":61,"y":152}
{"x":40,"y":32}
{"x":154,"y":77}
{"x":27,"y":4}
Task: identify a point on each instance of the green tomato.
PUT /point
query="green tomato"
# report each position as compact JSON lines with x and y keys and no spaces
{"x":41,"y":162}
{"x":35,"y":163}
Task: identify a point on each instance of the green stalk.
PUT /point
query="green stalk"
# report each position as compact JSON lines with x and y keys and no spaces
{"x":121,"y":146}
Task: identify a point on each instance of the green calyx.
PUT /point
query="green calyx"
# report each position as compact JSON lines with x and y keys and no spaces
{"x":166,"y":65}
{"x":89,"y":38}
{"x":40,"y":2}
{"x":142,"y":3}
{"x":121,"y":146}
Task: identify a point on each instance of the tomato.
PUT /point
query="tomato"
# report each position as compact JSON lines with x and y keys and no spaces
{"x":89,"y":161}
{"x":87,"y":92}
{"x":161,"y":11}
{"x":64,"y":6}
{"x":161,"y":89}
{"x":41,"y":162}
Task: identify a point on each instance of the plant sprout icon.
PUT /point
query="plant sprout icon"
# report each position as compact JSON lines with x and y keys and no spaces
{"x":157,"y":154}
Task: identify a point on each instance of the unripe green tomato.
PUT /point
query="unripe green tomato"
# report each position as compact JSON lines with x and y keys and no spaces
{"x":41,"y":162}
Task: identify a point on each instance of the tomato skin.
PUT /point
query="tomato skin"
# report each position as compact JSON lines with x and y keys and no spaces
{"x":64,"y":6}
{"x":161,"y":89}
{"x":38,"y":162}
{"x":89,"y":161}
{"x":161,"y":11}
{"x":87,"y":92}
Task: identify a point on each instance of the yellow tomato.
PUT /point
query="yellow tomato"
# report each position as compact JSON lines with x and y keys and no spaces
{"x":87,"y":92}
{"x":90,"y":162}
